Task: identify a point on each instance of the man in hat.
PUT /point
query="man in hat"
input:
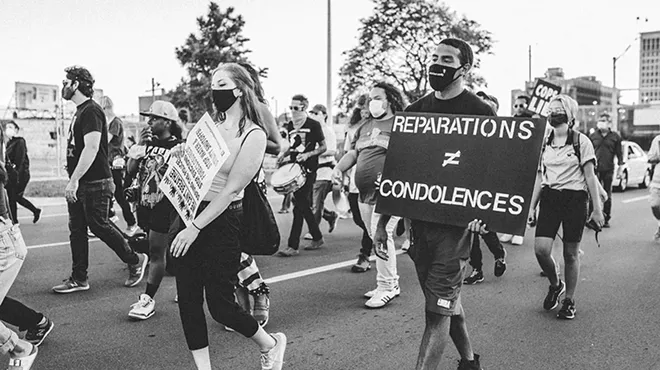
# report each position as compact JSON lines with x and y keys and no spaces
{"x":90,"y":186}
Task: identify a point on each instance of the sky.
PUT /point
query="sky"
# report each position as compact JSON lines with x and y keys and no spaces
{"x":124,"y":43}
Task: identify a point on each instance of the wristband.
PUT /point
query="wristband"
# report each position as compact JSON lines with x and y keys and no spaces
{"x":195,"y":226}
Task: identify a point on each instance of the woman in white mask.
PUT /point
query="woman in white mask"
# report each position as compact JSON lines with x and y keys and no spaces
{"x":367,"y":151}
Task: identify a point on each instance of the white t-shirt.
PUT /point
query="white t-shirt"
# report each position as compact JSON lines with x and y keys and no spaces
{"x":325,"y":173}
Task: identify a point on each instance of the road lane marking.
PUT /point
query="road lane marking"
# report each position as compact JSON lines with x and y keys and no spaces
{"x":316,"y":270}
{"x":43,"y":216}
{"x":272,"y":280}
{"x":637,"y":199}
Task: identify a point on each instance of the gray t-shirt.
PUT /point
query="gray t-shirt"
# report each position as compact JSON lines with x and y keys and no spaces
{"x":371,"y":141}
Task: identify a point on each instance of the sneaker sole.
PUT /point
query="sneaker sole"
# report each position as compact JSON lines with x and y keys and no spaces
{"x":71,"y":290}
{"x":141,"y":317}
{"x":381,"y":303}
{"x":360,"y":269}
{"x":37,"y":343}
{"x":473,"y":282}
{"x":571,"y":317}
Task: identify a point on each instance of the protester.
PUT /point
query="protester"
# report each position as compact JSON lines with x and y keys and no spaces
{"x":368,"y":151}
{"x":90,"y":187}
{"x":607,"y":145}
{"x":520,"y":105}
{"x":148,"y":160}
{"x":207,"y":252}
{"x":117,"y":159}
{"x":327,"y":162}
{"x":307,"y":143}
{"x":654,"y":189}
{"x":490,"y":238}
{"x":18,"y":171}
{"x":439,"y":251}
{"x":359,"y":116}
{"x":564,"y":181}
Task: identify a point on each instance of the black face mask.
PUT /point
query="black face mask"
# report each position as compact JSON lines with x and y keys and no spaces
{"x":557,"y":119}
{"x":223,"y":99}
{"x":441,"y":76}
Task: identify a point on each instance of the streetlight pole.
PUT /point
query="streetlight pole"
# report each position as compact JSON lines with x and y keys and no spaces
{"x":615,"y":97}
{"x":329,"y":71}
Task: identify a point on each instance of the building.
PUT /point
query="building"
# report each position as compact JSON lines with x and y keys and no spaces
{"x":649,"y":67}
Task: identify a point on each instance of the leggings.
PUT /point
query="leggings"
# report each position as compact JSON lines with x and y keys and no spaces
{"x":209,"y":268}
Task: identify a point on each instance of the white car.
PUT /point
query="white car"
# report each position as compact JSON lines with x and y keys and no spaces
{"x":636,"y":170}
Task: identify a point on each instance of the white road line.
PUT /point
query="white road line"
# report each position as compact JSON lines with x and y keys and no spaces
{"x":272,"y":280}
{"x":316,"y":270}
{"x":43,"y":216}
{"x":637,"y":199}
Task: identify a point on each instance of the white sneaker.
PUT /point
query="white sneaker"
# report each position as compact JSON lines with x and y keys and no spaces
{"x":308,"y":236}
{"x":383,"y":297}
{"x":517,"y":240}
{"x":405,"y":246}
{"x":370,"y":293}
{"x":505,"y":238}
{"x":131,"y":230}
{"x":274,"y":359}
{"x":143,"y":309}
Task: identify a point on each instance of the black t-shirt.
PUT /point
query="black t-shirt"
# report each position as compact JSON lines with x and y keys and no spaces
{"x":304,"y":140}
{"x":89,"y":117}
{"x":465,"y":103}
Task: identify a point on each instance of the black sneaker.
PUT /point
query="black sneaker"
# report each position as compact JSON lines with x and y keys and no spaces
{"x":477,"y":276}
{"x":500,"y":266}
{"x":567,"y":311}
{"x":464,"y":364}
{"x":606,"y":225}
{"x":37,"y":334}
{"x":36,"y":216}
{"x":552,"y":299}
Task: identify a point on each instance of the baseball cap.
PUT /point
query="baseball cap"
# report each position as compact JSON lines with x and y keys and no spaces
{"x":162,"y":109}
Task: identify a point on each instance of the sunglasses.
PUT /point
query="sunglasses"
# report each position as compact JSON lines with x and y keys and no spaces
{"x":520,"y":106}
{"x":297,"y":108}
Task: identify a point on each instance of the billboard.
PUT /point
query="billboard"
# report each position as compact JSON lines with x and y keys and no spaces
{"x":38,"y":97}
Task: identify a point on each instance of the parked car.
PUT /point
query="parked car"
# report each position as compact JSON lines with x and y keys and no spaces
{"x":636,"y":170}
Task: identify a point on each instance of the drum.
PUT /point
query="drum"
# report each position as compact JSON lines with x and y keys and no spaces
{"x":288,"y":178}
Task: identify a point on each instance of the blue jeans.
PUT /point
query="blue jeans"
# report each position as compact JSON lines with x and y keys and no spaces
{"x":91,"y":210}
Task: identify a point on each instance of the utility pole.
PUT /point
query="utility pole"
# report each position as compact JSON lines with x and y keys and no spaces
{"x":615,"y":97}
{"x":329,"y":71}
{"x":529,"y":76}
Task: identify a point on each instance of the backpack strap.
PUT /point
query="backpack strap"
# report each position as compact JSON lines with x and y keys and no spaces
{"x":576,"y":147}
{"x":256,"y":176}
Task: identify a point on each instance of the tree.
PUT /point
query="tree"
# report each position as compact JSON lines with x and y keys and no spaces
{"x":219,"y":40}
{"x":395,"y":45}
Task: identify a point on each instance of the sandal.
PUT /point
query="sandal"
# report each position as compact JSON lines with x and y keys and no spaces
{"x":23,"y":363}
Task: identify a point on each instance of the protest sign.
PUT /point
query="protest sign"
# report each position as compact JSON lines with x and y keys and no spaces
{"x":543,"y":92}
{"x":452,"y":169}
{"x":188,"y":177}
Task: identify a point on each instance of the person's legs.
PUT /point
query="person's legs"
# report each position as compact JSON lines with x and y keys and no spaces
{"x":476,"y":257}
{"x":78,"y":240}
{"x":606,"y":179}
{"x":654,"y":201}
{"x":318,"y":193}
{"x":572,"y":267}
{"x":459,"y":335}
{"x":543,"y":251}
{"x":387,"y":277}
{"x":494,"y":245}
{"x":16,"y":313}
{"x":96,"y":201}
{"x":366,"y":242}
{"x":434,"y":341}
{"x":13,"y":198}
{"x":157,"y":251}
{"x":303,"y":201}
{"x":117,"y":177}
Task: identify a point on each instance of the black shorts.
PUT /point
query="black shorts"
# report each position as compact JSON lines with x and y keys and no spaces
{"x":440,"y":253}
{"x":567,"y":208}
{"x":158,"y":218}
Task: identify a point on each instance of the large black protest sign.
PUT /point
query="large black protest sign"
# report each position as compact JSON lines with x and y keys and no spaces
{"x":453,"y":169}
{"x":543,"y":92}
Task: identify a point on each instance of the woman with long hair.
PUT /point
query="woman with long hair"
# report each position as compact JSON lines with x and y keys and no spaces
{"x":368,"y":151}
{"x":207,"y":252}
{"x":565,"y":179}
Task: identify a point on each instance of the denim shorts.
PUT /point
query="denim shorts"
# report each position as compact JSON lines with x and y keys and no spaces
{"x":12,"y":246}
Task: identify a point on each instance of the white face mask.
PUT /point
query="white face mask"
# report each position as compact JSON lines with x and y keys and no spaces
{"x":602,"y":125}
{"x":376,"y":108}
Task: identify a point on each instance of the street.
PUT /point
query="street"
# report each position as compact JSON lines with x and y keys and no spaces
{"x":317,"y":302}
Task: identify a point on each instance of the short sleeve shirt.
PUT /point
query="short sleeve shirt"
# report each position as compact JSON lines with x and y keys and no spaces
{"x":371,"y":141}
{"x":305,"y":139}
{"x":560,"y":168}
{"x":89,"y":117}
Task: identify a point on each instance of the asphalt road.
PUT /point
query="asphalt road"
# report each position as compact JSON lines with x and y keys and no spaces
{"x":323,"y":315}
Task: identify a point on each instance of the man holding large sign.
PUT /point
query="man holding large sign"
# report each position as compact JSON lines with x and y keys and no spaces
{"x":440,"y":240}
{"x":543,"y":92}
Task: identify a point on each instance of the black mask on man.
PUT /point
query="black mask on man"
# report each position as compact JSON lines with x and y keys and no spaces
{"x":441,"y":76}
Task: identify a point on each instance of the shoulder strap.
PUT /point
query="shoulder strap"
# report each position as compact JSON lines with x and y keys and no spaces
{"x":256,"y":176}
{"x":576,"y":146}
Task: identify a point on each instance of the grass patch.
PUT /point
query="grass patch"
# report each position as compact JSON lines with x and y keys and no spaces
{"x":48,"y":189}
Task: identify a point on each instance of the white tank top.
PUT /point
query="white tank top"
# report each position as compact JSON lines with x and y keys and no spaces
{"x":220,"y":179}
